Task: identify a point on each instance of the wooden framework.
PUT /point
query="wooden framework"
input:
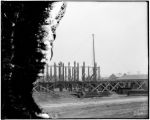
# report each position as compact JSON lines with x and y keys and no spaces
{"x":61,"y":72}
{"x":91,"y":87}
{"x":84,"y":79}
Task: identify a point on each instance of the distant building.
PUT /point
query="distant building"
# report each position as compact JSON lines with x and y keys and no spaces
{"x":134,"y":77}
{"x":112,"y":77}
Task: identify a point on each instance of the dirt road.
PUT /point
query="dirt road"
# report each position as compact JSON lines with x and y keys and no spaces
{"x":115,"y":107}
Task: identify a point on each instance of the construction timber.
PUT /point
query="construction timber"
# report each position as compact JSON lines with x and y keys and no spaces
{"x":85,"y":81}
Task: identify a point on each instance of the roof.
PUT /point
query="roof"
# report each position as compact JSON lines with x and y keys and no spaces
{"x":133,"y":77}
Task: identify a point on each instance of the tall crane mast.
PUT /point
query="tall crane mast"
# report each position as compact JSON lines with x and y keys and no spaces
{"x":93,"y":51}
{"x":94,"y":63}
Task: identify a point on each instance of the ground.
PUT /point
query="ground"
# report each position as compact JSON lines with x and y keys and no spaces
{"x":64,"y":105}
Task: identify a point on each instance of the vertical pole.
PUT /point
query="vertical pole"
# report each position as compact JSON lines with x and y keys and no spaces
{"x":93,"y":51}
{"x":47,"y":73}
{"x":83,"y":72}
{"x":55,"y":72}
{"x":98,"y":73}
{"x":94,"y":72}
{"x":94,"y":63}
{"x":60,"y":71}
{"x":74,"y":70}
{"x":72,"y":73}
{"x":69,"y":71}
{"x":60,"y":76}
{"x":63,"y":72}
{"x":63,"y":85}
{"x":88,"y":73}
{"x":69,"y":76}
{"x":77,"y":71}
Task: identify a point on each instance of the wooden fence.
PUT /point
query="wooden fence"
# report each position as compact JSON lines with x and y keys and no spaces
{"x":61,"y":72}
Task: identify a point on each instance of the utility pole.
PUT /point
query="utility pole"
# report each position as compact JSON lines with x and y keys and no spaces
{"x":94,"y":63}
{"x":93,"y":51}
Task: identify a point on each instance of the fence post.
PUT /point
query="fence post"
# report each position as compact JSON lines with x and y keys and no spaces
{"x":83,"y":72}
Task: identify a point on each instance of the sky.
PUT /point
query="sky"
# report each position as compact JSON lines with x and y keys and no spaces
{"x":120,"y":34}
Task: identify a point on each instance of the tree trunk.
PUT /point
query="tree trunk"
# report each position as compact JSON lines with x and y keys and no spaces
{"x":23,"y":34}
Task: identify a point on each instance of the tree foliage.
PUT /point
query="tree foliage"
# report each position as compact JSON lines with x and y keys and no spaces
{"x":22,"y":46}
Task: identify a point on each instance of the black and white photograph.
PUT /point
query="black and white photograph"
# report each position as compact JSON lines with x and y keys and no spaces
{"x":74,"y":59}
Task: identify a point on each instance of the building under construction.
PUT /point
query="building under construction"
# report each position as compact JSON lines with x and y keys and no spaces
{"x":86,"y":81}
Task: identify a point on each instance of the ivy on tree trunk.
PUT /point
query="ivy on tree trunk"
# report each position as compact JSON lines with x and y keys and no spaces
{"x":23,"y":43}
